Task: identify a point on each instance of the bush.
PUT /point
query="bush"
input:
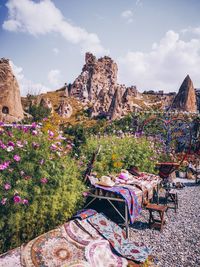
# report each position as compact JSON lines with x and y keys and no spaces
{"x":38,"y":184}
{"x":117,"y":153}
{"x":39,"y":112}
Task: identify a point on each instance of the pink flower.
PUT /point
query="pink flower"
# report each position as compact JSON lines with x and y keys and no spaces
{"x":17,"y":199}
{"x":25,"y":201}
{"x":10,"y":143}
{"x":10,"y":133}
{"x":41,"y":161}
{"x":34,"y":125}
{"x":17,"y":158}
{"x":3,"y":146}
{"x":25,"y":129}
{"x":34,"y":132}
{"x":3,"y":201}
{"x":85,"y":194}
{"x":53,"y":147}
{"x":51,"y":134}
{"x":35,"y":145}
{"x":19,"y":144}
{"x":4,"y":165}
{"x":69,"y":146}
{"x":7,"y":186}
{"x":44,"y":180}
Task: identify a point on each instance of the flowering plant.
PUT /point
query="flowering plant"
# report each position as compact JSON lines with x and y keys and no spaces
{"x":120,"y":153}
{"x":38,"y":183}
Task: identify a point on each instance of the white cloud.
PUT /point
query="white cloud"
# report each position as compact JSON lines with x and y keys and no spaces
{"x":44,"y":17}
{"x":193,"y":30}
{"x":56,"y":51}
{"x":54,"y":77}
{"x":127,"y":15}
{"x":26,"y":85}
{"x":164,"y":66}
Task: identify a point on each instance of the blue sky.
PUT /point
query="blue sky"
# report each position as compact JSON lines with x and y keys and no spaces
{"x":156,"y":43}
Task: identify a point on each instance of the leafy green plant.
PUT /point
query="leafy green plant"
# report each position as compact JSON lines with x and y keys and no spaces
{"x":117,"y":153}
{"x":38,"y":184}
{"x":39,"y":112}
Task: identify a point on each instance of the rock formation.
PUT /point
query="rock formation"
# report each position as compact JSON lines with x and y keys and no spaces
{"x":97,"y":84}
{"x":65,"y":109}
{"x":185,"y":100}
{"x":198,"y":99}
{"x":46,"y":103}
{"x":10,"y":101}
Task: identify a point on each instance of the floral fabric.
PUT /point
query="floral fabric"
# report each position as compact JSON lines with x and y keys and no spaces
{"x":129,"y":195}
{"x":116,"y":237}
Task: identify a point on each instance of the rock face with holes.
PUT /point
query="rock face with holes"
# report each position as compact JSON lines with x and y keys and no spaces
{"x":97,"y":85}
{"x":186,"y":99}
{"x":10,"y":101}
{"x":65,"y":109}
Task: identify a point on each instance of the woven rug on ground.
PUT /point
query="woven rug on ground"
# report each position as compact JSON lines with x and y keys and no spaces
{"x":50,"y":250}
{"x":11,"y":259}
{"x":115,"y":235}
{"x":99,"y":254}
{"x":81,"y":232}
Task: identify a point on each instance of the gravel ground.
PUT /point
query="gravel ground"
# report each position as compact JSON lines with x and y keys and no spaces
{"x":178,"y":245}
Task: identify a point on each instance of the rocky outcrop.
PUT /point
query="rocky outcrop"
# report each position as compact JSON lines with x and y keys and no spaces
{"x":10,"y":101}
{"x":198,"y":99}
{"x":65,"y":109}
{"x":186,"y":99}
{"x":97,"y":85}
{"x":46,"y":103}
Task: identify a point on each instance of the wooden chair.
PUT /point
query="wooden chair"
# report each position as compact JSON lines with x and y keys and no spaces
{"x":160,"y":209}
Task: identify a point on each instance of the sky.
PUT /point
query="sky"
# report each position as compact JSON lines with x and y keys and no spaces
{"x":155,"y":43}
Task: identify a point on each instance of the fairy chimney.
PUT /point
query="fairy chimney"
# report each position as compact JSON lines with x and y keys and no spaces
{"x":10,"y":100}
{"x":185,"y":100}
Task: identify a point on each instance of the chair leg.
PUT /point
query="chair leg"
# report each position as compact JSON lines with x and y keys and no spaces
{"x":162,"y":220}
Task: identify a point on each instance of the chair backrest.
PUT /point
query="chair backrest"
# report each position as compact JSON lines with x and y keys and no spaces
{"x":166,"y":169}
{"x":91,"y":165}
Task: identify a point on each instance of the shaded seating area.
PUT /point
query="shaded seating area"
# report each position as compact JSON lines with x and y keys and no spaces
{"x":125,"y":193}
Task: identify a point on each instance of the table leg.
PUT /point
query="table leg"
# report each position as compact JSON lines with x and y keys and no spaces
{"x":126,"y":220}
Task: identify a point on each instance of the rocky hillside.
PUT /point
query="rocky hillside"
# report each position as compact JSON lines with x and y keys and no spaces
{"x":95,"y":93}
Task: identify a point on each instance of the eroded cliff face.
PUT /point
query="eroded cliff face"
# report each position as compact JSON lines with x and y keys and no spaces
{"x":10,"y":100}
{"x":186,"y":99}
{"x":97,"y":85}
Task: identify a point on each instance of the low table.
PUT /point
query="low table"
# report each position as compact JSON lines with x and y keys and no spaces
{"x":160,"y":209}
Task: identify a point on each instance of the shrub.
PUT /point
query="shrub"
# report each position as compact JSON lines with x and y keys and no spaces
{"x":38,"y":184}
{"x":117,"y":153}
{"x":39,"y":112}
